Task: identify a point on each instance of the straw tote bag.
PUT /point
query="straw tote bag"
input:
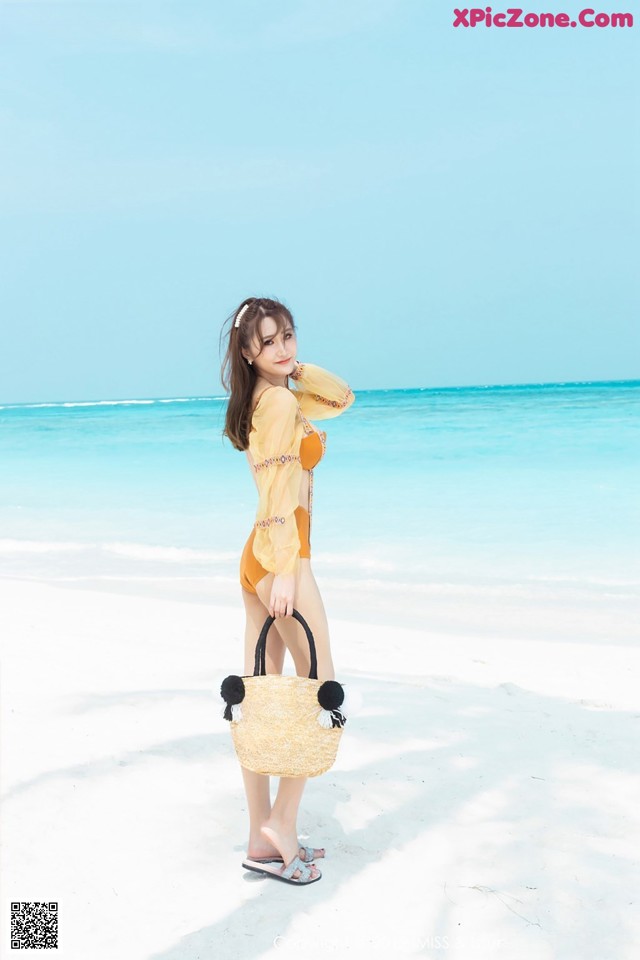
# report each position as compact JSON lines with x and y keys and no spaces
{"x":281,"y":725}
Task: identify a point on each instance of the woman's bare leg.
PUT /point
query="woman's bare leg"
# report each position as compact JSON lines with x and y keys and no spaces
{"x":309,"y":603}
{"x":257,"y":613}
{"x":280,"y":827}
{"x":271,"y":832}
{"x":255,"y":784}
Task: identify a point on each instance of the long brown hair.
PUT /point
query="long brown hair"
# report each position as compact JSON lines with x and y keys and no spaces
{"x":238,"y":377}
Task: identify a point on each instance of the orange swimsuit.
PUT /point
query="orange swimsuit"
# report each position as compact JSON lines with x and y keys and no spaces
{"x":282,"y":443}
{"x":251,"y":571}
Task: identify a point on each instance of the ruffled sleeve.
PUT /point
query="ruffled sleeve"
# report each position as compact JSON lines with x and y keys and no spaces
{"x":276,"y":441}
{"x":320,"y":394}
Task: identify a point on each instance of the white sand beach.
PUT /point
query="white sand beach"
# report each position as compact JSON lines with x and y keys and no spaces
{"x":484,"y":802}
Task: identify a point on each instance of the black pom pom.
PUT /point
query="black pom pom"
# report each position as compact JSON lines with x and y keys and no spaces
{"x":330,"y":695}
{"x":232,"y":689}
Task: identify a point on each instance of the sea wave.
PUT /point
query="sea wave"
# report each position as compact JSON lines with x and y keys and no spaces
{"x":496,"y":587}
{"x":354,"y":561}
{"x":106,"y":403}
{"x":339,"y":570}
{"x":142,"y":551}
{"x":134,"y":551}
{"x":40,"y":546}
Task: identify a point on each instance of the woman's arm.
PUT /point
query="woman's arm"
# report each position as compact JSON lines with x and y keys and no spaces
{"x":320,"y":394}
{"x":277,"y":544}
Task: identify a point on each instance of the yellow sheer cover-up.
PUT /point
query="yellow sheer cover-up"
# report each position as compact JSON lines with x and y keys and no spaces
{"x":277,"y":428}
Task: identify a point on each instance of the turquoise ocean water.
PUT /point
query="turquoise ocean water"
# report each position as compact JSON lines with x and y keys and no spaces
{"x":422,"y":494}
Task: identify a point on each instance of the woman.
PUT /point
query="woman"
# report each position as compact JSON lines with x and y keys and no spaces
{"x":268,"y":420}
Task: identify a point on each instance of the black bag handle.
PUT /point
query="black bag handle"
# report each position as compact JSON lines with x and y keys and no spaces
{"x":260,"y":667}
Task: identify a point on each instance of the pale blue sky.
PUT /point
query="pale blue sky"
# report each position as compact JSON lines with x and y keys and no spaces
{"x":436,"y":206}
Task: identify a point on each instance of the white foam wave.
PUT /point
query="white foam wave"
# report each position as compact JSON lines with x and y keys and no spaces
{"x":39,"y":546}
{"x":499,"y":589}
{"x":135,"y":551}
{"x":354,"y":561}
{"x":142,"y":551}
{"x":151,"y":578}
{"x":77,"y":403}
{"x":395,"y":588}
{"x":106,"y":403}
{"x":189,"y":399}
{"x":596,"y":581}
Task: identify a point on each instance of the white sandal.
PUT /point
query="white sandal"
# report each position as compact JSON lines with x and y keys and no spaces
{"x":285,"y":874}
{"x":308,"y":856}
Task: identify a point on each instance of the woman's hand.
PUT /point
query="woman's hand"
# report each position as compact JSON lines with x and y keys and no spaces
{"x":283,"y":594}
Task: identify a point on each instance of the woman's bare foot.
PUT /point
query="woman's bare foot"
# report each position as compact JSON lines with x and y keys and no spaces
{"x":286,"y":842}
{"x":260,"y":848}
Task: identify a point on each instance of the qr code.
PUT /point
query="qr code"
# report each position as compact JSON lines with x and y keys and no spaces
{"x":34,"y":925}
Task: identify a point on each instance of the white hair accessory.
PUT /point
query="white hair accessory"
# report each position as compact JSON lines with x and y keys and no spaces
{"x":239,"y":317}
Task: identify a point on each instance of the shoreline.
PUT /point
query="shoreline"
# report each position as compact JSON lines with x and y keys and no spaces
{"x":604,"y":611}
